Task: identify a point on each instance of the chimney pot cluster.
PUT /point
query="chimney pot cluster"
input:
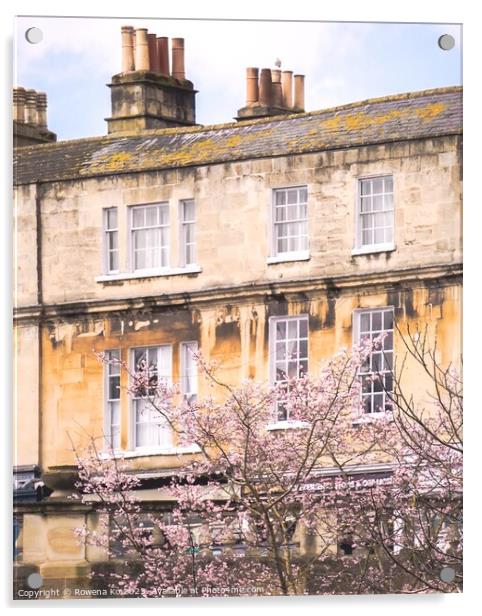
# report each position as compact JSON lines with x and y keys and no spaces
{"x":30,"y":107}
{"x":144,"y":51}
{"x":274,"y":88}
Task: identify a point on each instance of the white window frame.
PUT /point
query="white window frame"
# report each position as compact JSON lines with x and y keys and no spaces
{"x":108,"y":402}
{"x":133,"y":410}
{"x":162,"y":267}
{"x":183,"y":261}
{"x":107,"y":232}
{"x":357,"y":314}
{"x":359,"y":247}
{"x":273,"y":322}
{"x":293,"y":255}
{"x":185,"y":348}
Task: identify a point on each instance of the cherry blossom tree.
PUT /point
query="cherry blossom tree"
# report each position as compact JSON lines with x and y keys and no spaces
{"x":259,"y":509}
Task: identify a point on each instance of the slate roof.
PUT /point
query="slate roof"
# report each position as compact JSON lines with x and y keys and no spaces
{"x":414,"y":115}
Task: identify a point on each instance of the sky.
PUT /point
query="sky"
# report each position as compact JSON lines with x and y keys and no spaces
{"x":343,"y":62}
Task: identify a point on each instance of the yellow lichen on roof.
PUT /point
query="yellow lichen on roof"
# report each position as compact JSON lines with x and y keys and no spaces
{"x":432,"y":110}
{"x":114,"y":162}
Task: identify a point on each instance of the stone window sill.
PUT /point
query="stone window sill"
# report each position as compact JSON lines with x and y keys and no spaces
{"x":302,"y":255}
{"x":367,"y":250}
{"x":167,"y":271}
{"x":154,"y":451}
{"x":287,"y":425}
{"x":371,"y":417}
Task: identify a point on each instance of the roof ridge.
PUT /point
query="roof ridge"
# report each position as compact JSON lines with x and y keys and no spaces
{"x":253,"y":122}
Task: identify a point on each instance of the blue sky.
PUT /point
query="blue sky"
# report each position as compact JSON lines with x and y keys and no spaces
{"x":343,"y":62}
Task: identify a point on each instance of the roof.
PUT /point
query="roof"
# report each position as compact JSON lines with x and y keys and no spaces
{"x":415,"y":115}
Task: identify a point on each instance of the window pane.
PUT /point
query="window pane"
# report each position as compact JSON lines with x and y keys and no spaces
{"x":113,"y":237}
{"x":292,"y":369}
{"x":115,"y":413}
{"x":378,"y":403}
{"x":367,"y":238}
{"x":388,"y":202}
{"x":367,"y":404}
{"x":292,"y":329}
{"x":388,"y":183}
{"x":366,"y":204}
{"x":139,"y":260}
{"x":292,"y":212}
{"x":280,"y":372}
{"x":388,"y":319}
{"x":388,"y":341}
{"x":376,"y":321}
{"x":154,"y":238}
{"x":190,"y":255}
{"x":112,"y":218}
{"x":140,"y":240}
{"x":281,"y":330}
{"x":303,"y":195}
{"x":280,"y":197}
{"x":365,"y":322}
{"x":292,"y":349}
{"x":365,"y":187}
{"x":303,"y":348}
{"x":163,"y":215}
{"x":138,"y":217}
{"x":377,"y":185}
{"x":367,"y":221}
{"x":388,"y":360}
{"x":389,"y":382}
{"x":280,"y":350}
{"x":280,"y":214}
{"x":114,"y":387}
{"x":113,"y":261}
{"x":376,"y":362}
{"x":292,"y":196}
{"x":188,"y":211}
{"x":151,"y":216}
{"x":378,"y":203}
{"x":282,"y":246}
{"x":366,"y":384}
{"x":378,"y":384}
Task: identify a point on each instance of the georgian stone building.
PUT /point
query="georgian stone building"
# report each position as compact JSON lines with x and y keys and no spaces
{"x":165,"y":236}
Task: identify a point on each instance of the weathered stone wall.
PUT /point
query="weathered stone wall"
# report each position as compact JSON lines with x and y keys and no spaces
{"x":26,"y":437}
{"x":236,"y":335}
{"x":233,"y":210}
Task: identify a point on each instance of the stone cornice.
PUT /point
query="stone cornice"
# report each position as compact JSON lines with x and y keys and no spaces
{"x":441,"y":274}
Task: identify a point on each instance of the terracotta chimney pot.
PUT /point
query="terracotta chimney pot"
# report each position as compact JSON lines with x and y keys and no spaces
{"x":277,"y":93}
{"x":163,"y":53}
{"x":287,"y":88}
{"x":300,"y":92}
{"x":177,"y":46}
{"x":265,"y":87}
{"x":127,"y":34}
{"x":153,"y":53}
{"x":142,"y":50}
{"x":252,"y":88}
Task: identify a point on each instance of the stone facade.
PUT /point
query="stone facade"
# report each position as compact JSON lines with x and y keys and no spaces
{"x":68,"y":307}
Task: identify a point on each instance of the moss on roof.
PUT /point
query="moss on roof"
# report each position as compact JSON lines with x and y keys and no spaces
{"x":412,"y":115}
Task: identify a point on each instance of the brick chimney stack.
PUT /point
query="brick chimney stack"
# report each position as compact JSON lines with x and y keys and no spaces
{"x":269,"y":92}
{"x":147,"y":94}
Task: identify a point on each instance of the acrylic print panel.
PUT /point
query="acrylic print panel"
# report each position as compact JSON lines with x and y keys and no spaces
{"x":237,"y":308}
